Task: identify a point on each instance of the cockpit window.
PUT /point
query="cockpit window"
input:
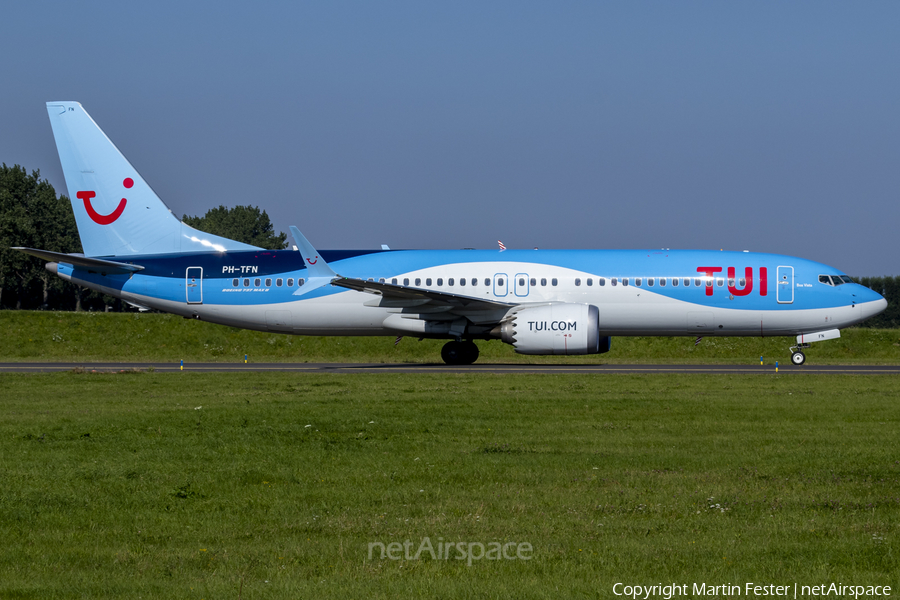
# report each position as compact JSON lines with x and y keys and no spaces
{"x":834,"y":279}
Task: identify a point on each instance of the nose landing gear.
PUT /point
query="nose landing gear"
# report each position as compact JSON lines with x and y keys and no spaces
{"x":797,"y":356}
{"x":459,"y":353}
{"x":805,"y":340}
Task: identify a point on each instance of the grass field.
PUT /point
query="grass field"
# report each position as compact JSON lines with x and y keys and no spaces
{"x":274,"y":485}
{"x":61,"y":336}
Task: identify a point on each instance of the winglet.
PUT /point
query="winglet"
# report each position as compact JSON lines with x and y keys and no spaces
{"x":315,"y":264}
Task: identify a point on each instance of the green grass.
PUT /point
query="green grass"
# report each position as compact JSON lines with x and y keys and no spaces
{"x":86,"y":337}
{"x":272,"y":485}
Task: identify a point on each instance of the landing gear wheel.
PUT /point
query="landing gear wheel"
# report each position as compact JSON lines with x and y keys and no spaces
{"x":459,"y":353}
{"x":798,"y":358}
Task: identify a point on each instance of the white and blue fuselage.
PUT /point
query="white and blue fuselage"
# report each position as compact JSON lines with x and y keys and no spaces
{"x":668,"y":293}
{"x":540,"y":301}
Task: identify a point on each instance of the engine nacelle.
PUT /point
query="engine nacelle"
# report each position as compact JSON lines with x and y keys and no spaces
{"x":563,"y":328}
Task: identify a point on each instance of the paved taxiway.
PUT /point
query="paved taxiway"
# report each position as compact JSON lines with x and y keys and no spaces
{"x":442,"y":368}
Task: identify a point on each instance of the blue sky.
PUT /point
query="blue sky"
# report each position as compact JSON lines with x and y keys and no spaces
{"x":766,"y":126}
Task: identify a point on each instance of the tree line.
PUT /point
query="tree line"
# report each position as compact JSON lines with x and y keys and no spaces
{"x":32,"y":215}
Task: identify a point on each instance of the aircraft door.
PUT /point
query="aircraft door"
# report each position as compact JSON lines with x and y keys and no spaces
{"x":785,"y":290}
{"x":194,"y":285}
{"x":501,"y":285}
{"x":520,"y":284}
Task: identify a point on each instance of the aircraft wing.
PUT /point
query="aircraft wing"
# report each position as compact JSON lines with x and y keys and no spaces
{"x":417,"y":297}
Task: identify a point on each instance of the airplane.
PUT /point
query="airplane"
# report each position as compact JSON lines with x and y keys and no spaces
{"x":542,"y":302}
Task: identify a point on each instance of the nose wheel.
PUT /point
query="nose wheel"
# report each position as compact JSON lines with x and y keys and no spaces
{"x":459,"y":353}
{"x":797,"y":356}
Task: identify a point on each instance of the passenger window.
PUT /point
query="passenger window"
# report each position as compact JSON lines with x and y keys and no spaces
{"x":698,"y":282}
{"x":533,"y":282}
{"x":474,"y":281}
{"x":462,"y":281}
{"x":719,"y":281}
{"x":381,"y":280}
{"x":742,"y":282}
{"x":543,"y":281}
{"x":624,"y":281}
{"x":246,"y":283}
{"x":521,"y":282}
{"x":290,"y":282}
{"x":614,"y":281}
{"x":662,"y":282}
{"x":257,"y":282}
{"x":487,"y":282}
{"x":553,"y":282}
{"x":577,"y":281}
{"x":279,"y":282}
{"x":300,"y":282}
{"x":450,"y":282}
{"x":687,"y":281}
{"x":268,"y":282}
{"x":428,"y":282}
{"x":601,"y":281}
{"x":440,"y":281}
{"x":418,"y":281}
{"x":235,"y":282}
{"x":406,"y":281}
{"x":590,"y":282}
{"x":637,"y":281}
{"x":650,"y":281}
{"x":730,"y":282}
{"x":500,"y":282}
{"x":394,"y":281}
{"x":674,"y":282}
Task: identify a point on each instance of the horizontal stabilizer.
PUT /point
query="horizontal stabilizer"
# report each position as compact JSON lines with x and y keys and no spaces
{"x":78,"y":260}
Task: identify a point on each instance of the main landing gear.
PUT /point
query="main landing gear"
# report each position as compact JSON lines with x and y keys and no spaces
{"x":459,"y":353}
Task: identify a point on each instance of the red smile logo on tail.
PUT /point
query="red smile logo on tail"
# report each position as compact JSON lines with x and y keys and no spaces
{"x":97,"y":217}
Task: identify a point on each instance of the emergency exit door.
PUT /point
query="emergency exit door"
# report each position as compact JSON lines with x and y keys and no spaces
{"x":785,"y":285}
{"x":194,"y":285}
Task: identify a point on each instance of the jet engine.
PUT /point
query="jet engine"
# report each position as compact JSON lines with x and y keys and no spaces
{"x":562,"y":328}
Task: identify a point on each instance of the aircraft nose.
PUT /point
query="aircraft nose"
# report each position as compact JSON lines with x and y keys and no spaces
{"x":870,"y":303}
{"x":879,"y":305}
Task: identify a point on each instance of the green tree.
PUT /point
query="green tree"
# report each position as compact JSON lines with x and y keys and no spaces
{"x":242,"y":223}
{"x":32,"y":215}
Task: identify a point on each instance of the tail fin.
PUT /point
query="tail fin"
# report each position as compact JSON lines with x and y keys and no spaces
{"x":116,"y":211}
